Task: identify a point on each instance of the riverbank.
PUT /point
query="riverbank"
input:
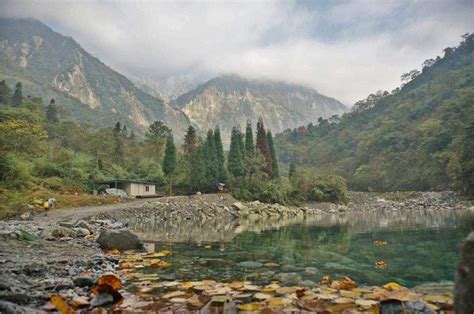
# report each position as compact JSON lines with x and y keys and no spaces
{"x":56,"y":253}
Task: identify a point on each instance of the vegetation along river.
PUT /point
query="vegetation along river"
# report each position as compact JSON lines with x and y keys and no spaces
{"x":373,"y":248}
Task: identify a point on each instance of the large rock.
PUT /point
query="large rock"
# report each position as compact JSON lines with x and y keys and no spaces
{"x":464,"y":289}
{"x":119,"y":239}
{"x":63,"y":232}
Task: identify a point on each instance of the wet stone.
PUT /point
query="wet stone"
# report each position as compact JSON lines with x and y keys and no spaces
{"x":250,"y":264}
{"x":83,"y":282}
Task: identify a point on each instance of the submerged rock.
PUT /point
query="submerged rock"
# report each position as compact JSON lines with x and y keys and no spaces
{"x":250,"y":264}
{"x":288,"y":278}
{"x":119,"y":239}
{"x":464,"y":289}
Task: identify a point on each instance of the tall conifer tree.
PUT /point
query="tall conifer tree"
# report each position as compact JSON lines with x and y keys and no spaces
{"x":275,"y":171}
{"x":169,"y":162}
{"x":235,"y":163}
{"x":221,"y":171}
{"x":5,"y":93}
{"x":249,"y":145}
{"x":262,"y":147}
{"x":210,"y":159}
{"x":17,"y":98}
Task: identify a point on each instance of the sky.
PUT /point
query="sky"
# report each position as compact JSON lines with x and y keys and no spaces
{"x":344,"y":49}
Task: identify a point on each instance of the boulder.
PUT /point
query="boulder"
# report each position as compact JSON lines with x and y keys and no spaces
{"x":464,"y":287}
{"x":63,"y":232}
{"x":82,"y":232}
{"x":238,"y":206}
{"x":119,"y":239}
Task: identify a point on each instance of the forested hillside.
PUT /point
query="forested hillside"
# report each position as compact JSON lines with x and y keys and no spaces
{"x":418,"y":137}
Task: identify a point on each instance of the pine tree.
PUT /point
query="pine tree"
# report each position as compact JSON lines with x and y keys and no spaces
{"x":118,"y":148}
{"x":52,"y":112}
{"x":169,"y":162}
{"x":292,"y":170}
{"x":17,"y":98}
{"x":262,"y":147}
{"x":189,"y":149}
{"x":221,"y":171}
{"x":275,"y":171}
{"x":235,"y":163}
{"x":249,"y":145}
{"x":210,"y":160}
{"x":5,"y":93}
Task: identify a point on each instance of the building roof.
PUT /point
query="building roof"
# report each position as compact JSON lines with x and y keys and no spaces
{"x":113,"y":181}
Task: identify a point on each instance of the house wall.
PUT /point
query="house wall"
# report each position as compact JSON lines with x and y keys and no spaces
{"x":141,"y":189}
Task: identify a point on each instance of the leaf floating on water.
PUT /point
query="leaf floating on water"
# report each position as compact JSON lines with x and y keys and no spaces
{"x":380,"y":242}
{"x":392,"y":286}
{"x":164,"y":252}
{"x":160,"y":264}
{"x":381,"y":265}
{"x":61,"y":305}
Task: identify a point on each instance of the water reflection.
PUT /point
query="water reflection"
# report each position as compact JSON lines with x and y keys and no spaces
{"x":224,"y":230}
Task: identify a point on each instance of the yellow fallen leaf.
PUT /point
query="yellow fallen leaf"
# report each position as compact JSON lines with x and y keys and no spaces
{"x":111,"y":251}
{"x":126,"y":265}
{"x":365,"y":303}
{"x":262,"y":296}
{"x":61,"y":305}
{"x":250,"y":307}
{"x":236,"y":284}
{"x":165,"y":252}
{"x":380,"y":265}
{"x":438,"y":299}
{"x":187,"y":284}
{"x":160,"y":264}
{"x":392,"y":286}
{"x":326,"y":280}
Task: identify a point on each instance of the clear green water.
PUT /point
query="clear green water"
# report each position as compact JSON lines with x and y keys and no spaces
{"x":422,"y":247}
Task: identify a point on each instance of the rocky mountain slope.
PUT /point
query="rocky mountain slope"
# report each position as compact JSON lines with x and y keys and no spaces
{"x":51,"y":65}
{"x":231,"y":100}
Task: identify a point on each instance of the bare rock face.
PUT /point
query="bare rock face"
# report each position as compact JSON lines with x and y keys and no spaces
{"x":464,"y":289}
{"x":119,"y":239}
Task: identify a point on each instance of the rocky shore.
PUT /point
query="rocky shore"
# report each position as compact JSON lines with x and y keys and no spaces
{"x":60,"y":252}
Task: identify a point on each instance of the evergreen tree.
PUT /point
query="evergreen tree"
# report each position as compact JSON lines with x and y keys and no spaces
{"x":262,"y":147}
{"x":198,"y":169}
{"x":17,"y":98}
{"x":169,"y":162}
{"x":5,"y":93}
{"x":210,"y":160}
{"x":249,"y":145}
{"x":189,"y":149}
{"x":52,"y":112}
{"x":275,"y":171}
{"x":118,"y":143}
{"x":158,"y":130}
{"x":292,"y":170}
{"x":221,"y":171}
{"x":235,"y":163}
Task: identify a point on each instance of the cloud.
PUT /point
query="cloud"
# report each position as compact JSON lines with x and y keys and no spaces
{"x":345,"y":49}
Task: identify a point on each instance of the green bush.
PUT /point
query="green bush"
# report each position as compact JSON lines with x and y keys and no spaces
{"x":15,"y":172}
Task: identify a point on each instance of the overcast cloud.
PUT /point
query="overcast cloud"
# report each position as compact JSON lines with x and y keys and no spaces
{"x":344,"y":49}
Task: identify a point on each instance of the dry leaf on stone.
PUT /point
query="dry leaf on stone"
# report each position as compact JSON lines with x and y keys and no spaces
{"x":366,"y":303}
{"x":392,"y":286}
{"x":61,"y":305}
{"x":262,"y":296}
{"x":251,"y":307}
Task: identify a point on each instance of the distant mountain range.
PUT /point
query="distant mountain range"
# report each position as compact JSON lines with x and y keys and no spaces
{"x":51,"y":65}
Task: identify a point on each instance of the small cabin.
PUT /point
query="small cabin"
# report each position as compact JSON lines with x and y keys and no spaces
{"x":132,"y":187}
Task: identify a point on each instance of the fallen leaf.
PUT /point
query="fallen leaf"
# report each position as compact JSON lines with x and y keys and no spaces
{"x":221,"y":299}
{"x":326,"y":280}
{"x":343,"y":301}
{"x":365,"y":303}
{"x":126,"y":265}
{"x":251,"y":307}
{"x":160,"y":264}
{"x":392,"y":286}
{"x":111,"y":251}
{"x":111,"y":280}
{"x":262,"y":296}
{"x":381,"y":265}
{"x":173,"y":294}
{"x":380,"y":242}
{"x":61,"y":305}
{"x":187,"y":284}
{"x":79,"y":302}
{"x":438,"y":299}
{"x":287,"y":290}
{"x":350,"y":294}
{"x":345,"y":284}
{"x":236,"y":284}
{"x":164,"y":252}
